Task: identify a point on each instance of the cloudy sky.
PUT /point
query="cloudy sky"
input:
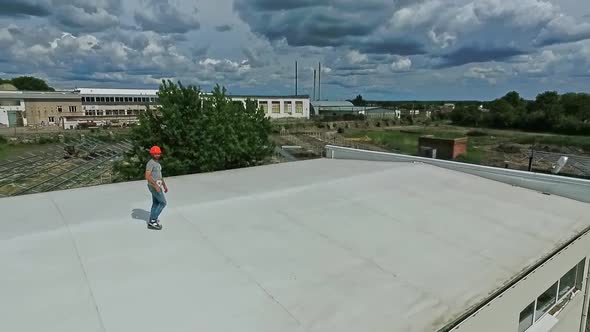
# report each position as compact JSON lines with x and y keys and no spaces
{"x":382,"y":49}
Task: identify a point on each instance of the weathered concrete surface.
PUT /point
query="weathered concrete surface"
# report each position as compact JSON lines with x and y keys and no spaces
{"x":324,"y":245}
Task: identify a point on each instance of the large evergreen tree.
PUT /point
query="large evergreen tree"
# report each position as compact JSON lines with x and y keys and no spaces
{"x":198,"y":133}
{"x":28,"y":83}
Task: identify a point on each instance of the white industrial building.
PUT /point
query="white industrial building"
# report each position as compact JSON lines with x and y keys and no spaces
{"x":384,"y":244}
{"x":122,"y":106}
{"x":280,"y":107}
{"x":115,"y":107}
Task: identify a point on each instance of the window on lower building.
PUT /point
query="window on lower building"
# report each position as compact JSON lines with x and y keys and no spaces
{"x":112,"y":99}
{"x":263,"y":106}
{"x":92,"y":99}
{"x":83,"y":99}
{"x":129,"y":112}
{"x":276,"y":107}
{"x":51,"y":119}
{"x":526,"y":317}
{"x":135,"y":112}
{"x":299,"y":107}
{"x":288,"y":107}
{"x":580,"y":274}
{"x":108,"y":112}
{"x":546,"y":301}
{"x":73,"y":109}
{"x":567,"y":282}
{"x":60,"y":109}
{"x":121,"y":112}
{"x":100,"y":112}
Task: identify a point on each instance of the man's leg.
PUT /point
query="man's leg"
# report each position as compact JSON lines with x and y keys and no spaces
{"x":155,"y":205}
{"x":159,"y":196}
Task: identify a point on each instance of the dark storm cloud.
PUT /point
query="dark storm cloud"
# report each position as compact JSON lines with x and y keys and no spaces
{"x":255,"y":59}
{"x":393,"y":46}
{"x":162,"y":16}
{"x":472,"y":54}
{"x":13,"y":8}
{"x":223,"y":28}
{"x":315,"y":22}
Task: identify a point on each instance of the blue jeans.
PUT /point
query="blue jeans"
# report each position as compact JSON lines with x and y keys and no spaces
{"x":158,"y":203}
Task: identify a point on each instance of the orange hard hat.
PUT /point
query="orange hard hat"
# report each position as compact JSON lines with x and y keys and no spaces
{"x":155,"y":150}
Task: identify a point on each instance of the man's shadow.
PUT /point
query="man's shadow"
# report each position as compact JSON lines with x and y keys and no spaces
{"x":140,"y":214}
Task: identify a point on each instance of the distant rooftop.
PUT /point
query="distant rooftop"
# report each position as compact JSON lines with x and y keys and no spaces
{"x":116,"y":92}
{"x":323,"y":245}
{"x":7,"y":87}
{"x":271,"y":96}
{"x":326,"y":103}
{"x":38,"y":95}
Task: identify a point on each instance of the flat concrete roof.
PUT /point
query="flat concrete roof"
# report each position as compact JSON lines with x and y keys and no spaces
{"x":38,"y":95}
{"x":116,"y":92}
{"x":323,"y":245}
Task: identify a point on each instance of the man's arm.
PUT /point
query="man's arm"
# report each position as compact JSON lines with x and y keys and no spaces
{"x":150,"y":179}
{"x":165,"y":186}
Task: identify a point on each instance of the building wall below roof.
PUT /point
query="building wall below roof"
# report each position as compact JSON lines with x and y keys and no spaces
{"x":503,"y":312}
{"x":42,"y":112}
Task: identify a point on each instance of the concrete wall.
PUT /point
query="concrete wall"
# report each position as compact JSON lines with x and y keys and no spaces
{"x":39,"y":112}
{"x":3,"y":118}
{"x":7,"y":106}
{"x":502,"y":314}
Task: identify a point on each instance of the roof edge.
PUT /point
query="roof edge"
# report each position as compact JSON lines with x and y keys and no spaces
{"x":572,"y":188}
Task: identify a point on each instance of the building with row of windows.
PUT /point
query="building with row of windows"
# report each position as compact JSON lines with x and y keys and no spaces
{"x":121,"y":107}
{"x":113,"y":107}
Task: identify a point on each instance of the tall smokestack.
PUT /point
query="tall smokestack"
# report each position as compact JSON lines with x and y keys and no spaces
{"x":320,"y":81}
{"x":314,"y":79}
{"x":296,"y":79}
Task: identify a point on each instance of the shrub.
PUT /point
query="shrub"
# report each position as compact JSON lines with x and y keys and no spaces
{"x":477,"y":133}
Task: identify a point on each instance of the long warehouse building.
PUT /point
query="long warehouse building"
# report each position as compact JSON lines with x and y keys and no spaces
{"x":121,"y":107}
{"x":337,"y":245}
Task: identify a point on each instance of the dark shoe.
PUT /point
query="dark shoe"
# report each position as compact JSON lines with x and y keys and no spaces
{"x":155,"y":225}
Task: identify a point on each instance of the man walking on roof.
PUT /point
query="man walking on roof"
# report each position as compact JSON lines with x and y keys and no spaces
{"x":157,"y":186}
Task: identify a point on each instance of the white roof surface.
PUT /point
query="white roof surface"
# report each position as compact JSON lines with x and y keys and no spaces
{"x":115,"y":92}
{"x":324,"y":245}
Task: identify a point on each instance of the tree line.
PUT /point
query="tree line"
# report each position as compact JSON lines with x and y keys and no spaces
{"x":549,"y":112}
{"x":28,"y":83}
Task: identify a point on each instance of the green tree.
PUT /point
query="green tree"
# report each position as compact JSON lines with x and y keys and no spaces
{"x":198,"y":133}
{"x":467,"y":116}
{"x":359,"y":101}
{"x":28,"y":83}
{"x":514,"y":99}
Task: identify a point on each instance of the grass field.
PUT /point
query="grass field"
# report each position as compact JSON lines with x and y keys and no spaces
{"x":8,"y":151}
{"x":482,"y":143}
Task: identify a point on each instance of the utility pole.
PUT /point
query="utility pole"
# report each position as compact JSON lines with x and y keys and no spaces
{"x":314,"y":79}
{"x":320,"y":81}
{"x":296,"y":82}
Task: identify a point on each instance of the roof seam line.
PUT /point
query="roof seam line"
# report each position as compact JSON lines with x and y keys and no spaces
{"x":75,"y":245}
{"x":239,"y":268}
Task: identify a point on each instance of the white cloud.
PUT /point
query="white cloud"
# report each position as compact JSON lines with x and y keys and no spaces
{"x":489,"y":74}
{"x":401,"y":64}
{"x":355,"y":56}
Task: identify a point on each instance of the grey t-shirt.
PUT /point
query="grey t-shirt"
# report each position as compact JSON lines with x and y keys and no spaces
{"x":156,"y":169}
